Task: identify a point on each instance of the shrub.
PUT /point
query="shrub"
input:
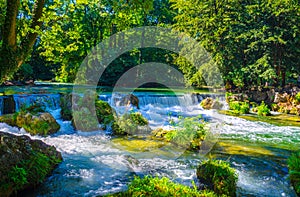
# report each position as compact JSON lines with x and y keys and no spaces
{"x":263,"y":109}
{"x":189,"y":132}
{"x":297,"y":97}
{"x":218,"y":176}
{"x":149,"y":186}
{"x":294,"y":171}
{"x":239,"y":107}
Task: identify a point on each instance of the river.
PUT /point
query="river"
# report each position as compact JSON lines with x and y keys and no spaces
{"x":96,"y":164}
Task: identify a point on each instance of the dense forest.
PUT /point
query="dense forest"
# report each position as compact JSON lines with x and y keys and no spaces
{"x":253,"y":42}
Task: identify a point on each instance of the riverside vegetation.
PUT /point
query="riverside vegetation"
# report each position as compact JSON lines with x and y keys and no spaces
{"x":218,"y":177}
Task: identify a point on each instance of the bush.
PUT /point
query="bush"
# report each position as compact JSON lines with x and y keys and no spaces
{"x":263,"y":109}
{"x":294,"y":171}
{"x":239,"y":107}
{"x":149,"y":186}
{"x":297,"y":97}
{"x":218,"y":176}
{"x":189,"y":132}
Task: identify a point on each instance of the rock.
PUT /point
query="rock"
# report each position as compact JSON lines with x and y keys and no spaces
{"x":281,"y":98}
{"x":130,"y":99}
{"x":258,"y":96}
{"x":217,"y":105}
{"x":132,"y":124}
{"x":207,"y":103}
{"x":66,"y":106}
{"x":9,"y":105}
{"x":38,"y":124}
{"x":24,"y":163}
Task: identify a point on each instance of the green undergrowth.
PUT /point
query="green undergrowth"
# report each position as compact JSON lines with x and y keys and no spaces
{"x":154,"y":186}
{"x":294,"y":171}
{"x":279,"y":120}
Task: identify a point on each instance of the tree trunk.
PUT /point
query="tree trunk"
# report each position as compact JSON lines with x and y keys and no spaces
{"x":12,"y":55}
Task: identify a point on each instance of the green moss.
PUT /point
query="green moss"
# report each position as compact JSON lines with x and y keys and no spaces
{"x":105,"y":113}
{"x":31,"y":171}
{"x":294,"y":171}
{"x":218,"y":176}
{"x":149,"y":186}
{"x":129,"y":123}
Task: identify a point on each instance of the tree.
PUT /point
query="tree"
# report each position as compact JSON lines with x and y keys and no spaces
{"x":17,"y":45}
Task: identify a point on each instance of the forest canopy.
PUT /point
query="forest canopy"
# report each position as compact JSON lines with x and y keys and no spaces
{"x":252,"y":42}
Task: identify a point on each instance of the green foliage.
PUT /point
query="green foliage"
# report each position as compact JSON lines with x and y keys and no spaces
{"x":263,"y":109}
{"x":218,"y":176}
{"x":297,"y":97}
{"x":244,"y":39}
{"x":294,"y":171}
{"x":129,"y":123}
{"x":189,"y":132}
{"x":149,"y":186}
{"x":239,"y":107}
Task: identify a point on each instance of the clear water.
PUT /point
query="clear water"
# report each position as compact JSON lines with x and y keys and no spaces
{"x":94,"y":165}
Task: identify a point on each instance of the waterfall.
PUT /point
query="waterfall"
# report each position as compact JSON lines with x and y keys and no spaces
{"x":50,"y":101}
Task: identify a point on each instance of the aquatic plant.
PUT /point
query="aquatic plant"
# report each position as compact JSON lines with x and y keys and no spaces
{"x":263,"y":109}
{"x":188,"y":132}
{"x":154,"y":186}
{"x":294,"y":170}
{"x":218,"y":176}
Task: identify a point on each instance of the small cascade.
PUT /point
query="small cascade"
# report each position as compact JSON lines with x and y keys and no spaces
{"x":50,"y":101}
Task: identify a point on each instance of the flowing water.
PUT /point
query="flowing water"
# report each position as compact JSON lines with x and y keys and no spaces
{"x":96,"y":164}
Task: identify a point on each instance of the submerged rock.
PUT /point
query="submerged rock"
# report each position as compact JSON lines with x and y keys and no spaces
{"x":24,"y":163}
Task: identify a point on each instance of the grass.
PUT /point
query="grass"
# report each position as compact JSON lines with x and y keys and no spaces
{"x":154,"y":186}
{"x":218,"y":176}
{"x":294,"y":171}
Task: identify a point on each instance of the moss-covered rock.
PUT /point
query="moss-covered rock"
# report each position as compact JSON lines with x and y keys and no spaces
{"x":210,"y":103}
{"x":189,"y":133}
{"x":42,"y":123}
{"x":154,"y":186}
{"x":66,"y":106}
{"x":24,"y":163}
{"x":218,"y":176}
{"x":131,"y":123}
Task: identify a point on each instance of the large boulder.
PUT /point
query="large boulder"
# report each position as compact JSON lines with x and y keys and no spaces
{"x":130,"y":99}
{"x":24,"y":163}
{"x":36,"y":124}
